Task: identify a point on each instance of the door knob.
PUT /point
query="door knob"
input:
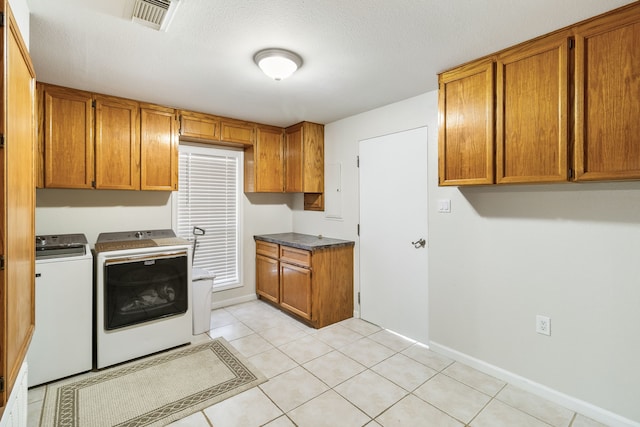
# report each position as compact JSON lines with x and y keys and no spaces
{"x":419,"y":244}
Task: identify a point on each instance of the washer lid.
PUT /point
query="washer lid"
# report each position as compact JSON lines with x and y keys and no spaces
{"x":60,"y":240}
{"x":60,"y":245}
{"x":125,"y":236}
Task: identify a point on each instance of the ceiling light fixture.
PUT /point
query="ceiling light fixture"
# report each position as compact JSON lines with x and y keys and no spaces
{"x":277,"y":63}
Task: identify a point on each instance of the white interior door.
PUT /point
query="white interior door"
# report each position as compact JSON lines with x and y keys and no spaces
{"x":393,"y":214}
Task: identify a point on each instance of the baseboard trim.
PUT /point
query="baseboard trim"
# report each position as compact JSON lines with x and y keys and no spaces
{"x":585,"y":408}
{"x":232,"y":301}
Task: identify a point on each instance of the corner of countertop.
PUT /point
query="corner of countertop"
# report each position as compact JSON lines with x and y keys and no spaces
{"x":304,"y":241}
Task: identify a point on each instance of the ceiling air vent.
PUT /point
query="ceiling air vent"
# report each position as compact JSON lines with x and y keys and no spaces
{"x":156,"y":14}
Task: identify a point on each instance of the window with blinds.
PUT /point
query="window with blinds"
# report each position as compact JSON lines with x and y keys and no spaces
{"x":209,"y":190}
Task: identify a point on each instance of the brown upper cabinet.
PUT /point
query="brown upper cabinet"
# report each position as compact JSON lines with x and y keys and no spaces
{"x":263,"y":162}
{"x":304,"y":163}
{"x":237,"y":131}
{"x":304,"y":158}
{"x":199,"y":127}
{"x":567,"y":98}
{"x":66,"y":137}
{"x":88,"y":140}
{"x":117,"y":145}
{"x":291,"y":161}
{"x":96,"y":141}
{"x":465,"y":141}
{"x":607,"y":110}
{"x":531,"y":112}
{"x":159,"y":148}
{"x":209,"y":129}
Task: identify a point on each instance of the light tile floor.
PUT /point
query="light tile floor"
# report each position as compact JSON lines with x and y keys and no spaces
{"x":354,"y":374}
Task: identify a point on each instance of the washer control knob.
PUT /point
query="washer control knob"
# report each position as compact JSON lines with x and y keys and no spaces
{"x":139,"y":234}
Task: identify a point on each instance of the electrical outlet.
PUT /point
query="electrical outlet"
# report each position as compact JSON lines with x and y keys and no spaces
{"x":543,"y":325}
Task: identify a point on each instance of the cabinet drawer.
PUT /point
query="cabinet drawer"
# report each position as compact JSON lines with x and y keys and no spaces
{"x":295,"y":256}
{"x":267,"y":249}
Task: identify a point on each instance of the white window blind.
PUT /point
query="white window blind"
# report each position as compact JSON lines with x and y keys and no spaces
{"x":208,"y":198}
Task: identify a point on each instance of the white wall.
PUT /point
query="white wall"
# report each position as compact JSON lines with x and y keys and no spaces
{"x":566,"y":251}
{"x":95,"y":211}
{"x":20,"y":11}
{"x":263,"y":214}
{"x":507,"y":253}
{"x":341,"y":146}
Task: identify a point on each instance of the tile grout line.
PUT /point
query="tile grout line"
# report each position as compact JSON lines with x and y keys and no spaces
{"x":330,"y":388}
{"x":369,"y":368}
{"x":530,"y":414}
{"x":486,"y":404}
{"x":575,"y":415}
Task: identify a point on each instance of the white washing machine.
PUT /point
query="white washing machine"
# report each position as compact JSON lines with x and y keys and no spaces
{"x":62,"y":341}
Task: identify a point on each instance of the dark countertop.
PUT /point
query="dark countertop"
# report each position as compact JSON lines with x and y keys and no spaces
{"x":303,"y":241}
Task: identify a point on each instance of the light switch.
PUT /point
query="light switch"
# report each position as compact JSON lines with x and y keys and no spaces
{"x":444,"y":206}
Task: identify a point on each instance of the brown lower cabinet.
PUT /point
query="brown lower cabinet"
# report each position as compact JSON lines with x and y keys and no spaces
{"x":268,"y":278}
{"x":295,"y":289}
{"x":315,"y":286}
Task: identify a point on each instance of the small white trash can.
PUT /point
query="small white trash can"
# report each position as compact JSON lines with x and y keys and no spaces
{"x":201,"y":290}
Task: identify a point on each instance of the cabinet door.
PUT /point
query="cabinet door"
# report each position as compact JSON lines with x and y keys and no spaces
{"x":158,"y":149}
{"x":17,"y":205}
{"x":531,"y":114}
{"x":117,"y":148}
{"x":313,"y":163}
{"x":268,"y":163}
{"x":304,"y":158}
{"x":293,"y":159}
{"x":295,"y":289}
{"x":67,"y":137}
{"x":607,"y":131}
{"x":268,"y":278}
{"x":199,"y":126}
{"x":236,"y":131}
{"x":466,"y":123}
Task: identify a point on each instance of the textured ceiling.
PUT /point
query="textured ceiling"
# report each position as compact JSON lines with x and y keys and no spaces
{"x":358,"y":54}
